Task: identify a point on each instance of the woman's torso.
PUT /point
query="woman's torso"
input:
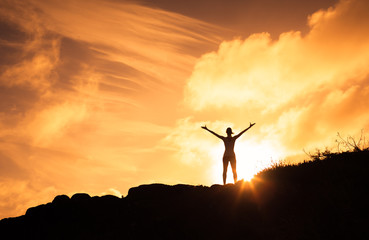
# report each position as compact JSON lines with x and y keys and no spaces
{"x":229,"y":146}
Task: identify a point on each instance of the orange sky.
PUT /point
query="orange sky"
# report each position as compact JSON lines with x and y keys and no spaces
{"x":100,"y":96}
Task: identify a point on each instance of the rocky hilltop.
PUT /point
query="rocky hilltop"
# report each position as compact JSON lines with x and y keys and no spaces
{"x":322,"y":199}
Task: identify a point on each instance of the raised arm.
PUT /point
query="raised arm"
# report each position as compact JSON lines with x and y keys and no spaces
{"x":207,"y":129}
{"x":239,"y":135}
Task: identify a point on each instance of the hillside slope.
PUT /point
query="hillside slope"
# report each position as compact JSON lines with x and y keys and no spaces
{"x":325,"y":199}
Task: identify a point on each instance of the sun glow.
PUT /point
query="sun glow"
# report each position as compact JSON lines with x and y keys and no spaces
{"x":251,"y":159}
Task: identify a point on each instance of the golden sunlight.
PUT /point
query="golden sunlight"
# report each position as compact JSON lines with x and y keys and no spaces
{"x":251,"y":158}
{"x":100,"y":95}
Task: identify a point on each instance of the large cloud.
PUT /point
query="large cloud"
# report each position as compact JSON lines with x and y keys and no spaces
{"x":301,"y":90}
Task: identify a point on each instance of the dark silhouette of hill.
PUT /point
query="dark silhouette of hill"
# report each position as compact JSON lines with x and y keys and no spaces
{"x":322,"y":199}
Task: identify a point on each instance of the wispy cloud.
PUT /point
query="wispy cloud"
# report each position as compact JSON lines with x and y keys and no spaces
{"x":86,"y":87}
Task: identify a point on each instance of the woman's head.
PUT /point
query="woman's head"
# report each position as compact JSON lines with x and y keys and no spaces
{"x":229,"y":131}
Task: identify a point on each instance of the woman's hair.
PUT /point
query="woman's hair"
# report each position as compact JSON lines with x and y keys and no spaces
{"x":229,"y":131}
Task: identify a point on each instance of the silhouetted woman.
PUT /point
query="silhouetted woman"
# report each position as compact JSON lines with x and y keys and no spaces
{"x":229,"y":155}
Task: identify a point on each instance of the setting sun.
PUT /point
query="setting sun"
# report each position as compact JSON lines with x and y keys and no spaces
{"x":251,"y":159}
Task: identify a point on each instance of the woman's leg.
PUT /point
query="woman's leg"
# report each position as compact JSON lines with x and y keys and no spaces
{"x":234,"y":169}
{"x":225,"y":166}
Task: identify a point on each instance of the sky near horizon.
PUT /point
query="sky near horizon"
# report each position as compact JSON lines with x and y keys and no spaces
{"x":99,"y":96}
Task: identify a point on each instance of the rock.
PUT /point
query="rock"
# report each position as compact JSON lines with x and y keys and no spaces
{"x":61,"y":199}
{"x":80,"y":197}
